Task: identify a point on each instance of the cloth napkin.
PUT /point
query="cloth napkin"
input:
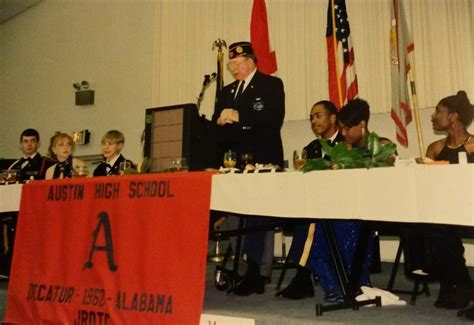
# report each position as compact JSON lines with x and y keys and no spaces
{"x":388,"y":298}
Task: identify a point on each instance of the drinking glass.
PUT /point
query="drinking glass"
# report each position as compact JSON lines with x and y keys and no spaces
{"x":245,"y":159}
{"x":179,"y":165}
{"x":299,"y":159}
{"x":80,"y":171}
{"x":11,"y":175}
{"x":230,"y":159}
{"x":124,"y":166}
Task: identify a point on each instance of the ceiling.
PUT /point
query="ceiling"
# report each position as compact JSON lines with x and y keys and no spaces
{"x":11,"y":8}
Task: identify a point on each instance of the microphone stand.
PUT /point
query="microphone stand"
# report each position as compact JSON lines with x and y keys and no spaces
{"x":207,"y":81}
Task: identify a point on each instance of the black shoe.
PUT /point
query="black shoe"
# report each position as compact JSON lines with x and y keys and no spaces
{"x":250,"y":285}
{"x":457,"y":297}
{"x":467,"y":313}
{"x":460,"y":298}
{"x":444,"y":296}
{"x":299,"y":288}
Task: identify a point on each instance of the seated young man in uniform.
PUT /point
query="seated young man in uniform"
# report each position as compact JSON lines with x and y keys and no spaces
{"x":112,"y":145}
{"x":32,"y":165}
{"x":323,"y":121}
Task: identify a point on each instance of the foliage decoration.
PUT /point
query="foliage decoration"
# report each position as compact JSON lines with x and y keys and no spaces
{"x":375,"y":154}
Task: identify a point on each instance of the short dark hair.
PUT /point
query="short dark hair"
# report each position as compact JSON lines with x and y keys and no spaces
{"x":29,"y":133}
{"x":460,"y":104}
{"x":329,"y":106}
{"x":355,"y":111}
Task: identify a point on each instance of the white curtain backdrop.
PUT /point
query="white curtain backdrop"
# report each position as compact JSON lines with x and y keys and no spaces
{"x":443,"y":32}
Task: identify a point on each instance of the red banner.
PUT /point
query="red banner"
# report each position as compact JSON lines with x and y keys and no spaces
{"x":111,"y":250}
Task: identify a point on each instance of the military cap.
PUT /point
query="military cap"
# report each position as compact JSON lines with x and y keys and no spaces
{"x":240,"y":49}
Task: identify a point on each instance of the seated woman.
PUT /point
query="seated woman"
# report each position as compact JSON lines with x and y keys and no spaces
{"x":353,"y":120}
{"x":453,"y":115}
{"x":61,"y":149}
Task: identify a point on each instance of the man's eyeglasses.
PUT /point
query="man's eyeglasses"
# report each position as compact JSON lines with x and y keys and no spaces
{"x":233,"y":65}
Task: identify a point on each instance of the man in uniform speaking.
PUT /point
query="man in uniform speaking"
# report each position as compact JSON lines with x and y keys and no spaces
{"x":249,"y":114}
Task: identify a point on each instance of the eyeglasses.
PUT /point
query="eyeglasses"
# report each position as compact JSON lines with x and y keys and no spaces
{"x":233,"y":65}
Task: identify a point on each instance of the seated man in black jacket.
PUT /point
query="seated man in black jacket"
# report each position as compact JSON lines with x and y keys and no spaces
{"x":324,"y":124}
{"x":32,"y":165}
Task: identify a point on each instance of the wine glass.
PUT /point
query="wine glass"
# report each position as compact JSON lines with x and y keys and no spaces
{"x":179,"y":165}
{"x":245,"y":159}
{"x":11,"y":175}
{"x":299,"y":159}
{"x":230,"y":159}
{"x":124,"y":166}
{"x":80,"y":171}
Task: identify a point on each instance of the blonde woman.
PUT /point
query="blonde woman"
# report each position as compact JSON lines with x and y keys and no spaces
{"x":62,"y":147}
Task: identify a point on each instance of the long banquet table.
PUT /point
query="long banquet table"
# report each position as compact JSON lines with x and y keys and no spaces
{"x":420,"y":193}
{"x":10,"y":197}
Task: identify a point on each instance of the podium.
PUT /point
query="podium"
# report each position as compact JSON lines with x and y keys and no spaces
{"x":179,"y":131}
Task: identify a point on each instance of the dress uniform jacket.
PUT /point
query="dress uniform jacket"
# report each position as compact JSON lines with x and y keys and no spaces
{"x":101,"y":169}
{"x":68,"y":168}
{"x":261,"y":109}
{"x":35,"y":168}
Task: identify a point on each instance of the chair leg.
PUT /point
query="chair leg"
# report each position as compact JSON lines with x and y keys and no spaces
{"x":414,"y":293}
{"x":426,"y":289}
{"x":396,"y":263}
{"x":283,"y":273}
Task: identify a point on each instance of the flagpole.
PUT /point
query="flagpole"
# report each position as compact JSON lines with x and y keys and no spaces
{"x":419,"y":130}
{"x":219,"y":44}
{"x":334,"y":37}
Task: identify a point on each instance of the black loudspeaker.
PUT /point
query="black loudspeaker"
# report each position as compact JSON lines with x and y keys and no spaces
{"x":84,"y":97}
{"x":179,"y":132}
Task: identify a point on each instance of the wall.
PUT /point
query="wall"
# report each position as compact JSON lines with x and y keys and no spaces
{"x":57,"y":43}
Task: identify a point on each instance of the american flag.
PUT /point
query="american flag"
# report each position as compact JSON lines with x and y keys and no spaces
{"x":341,"y":68}
{"x":401,"y":47}
{"x":260,"y":38}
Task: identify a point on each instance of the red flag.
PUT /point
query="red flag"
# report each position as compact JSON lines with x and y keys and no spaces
{"x":259,"y":37}
{"x":341,"y":68}
{"x":400,"y":48}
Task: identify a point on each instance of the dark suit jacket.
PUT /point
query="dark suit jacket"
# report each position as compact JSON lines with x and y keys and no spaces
{"x":314,"y":148}
{"x":261,"y":110}
{"x":101,"y":169}
{"x":35,"y":168}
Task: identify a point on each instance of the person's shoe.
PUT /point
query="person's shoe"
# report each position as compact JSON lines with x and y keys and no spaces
{"x":460,"y":298}
{"x":466,"y":313}
{"x":296,"y":290}
{"x":444,"y":296}
{"x":250,"y":285}
{"x":334,"y":297}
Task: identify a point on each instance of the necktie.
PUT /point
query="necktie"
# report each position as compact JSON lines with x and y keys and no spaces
{"x":108,"y":169}
{"x":240,"y":89}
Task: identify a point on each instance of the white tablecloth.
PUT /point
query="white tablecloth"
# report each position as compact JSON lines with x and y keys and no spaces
{"x":419,"y":193}
{"x":10,"y":197}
